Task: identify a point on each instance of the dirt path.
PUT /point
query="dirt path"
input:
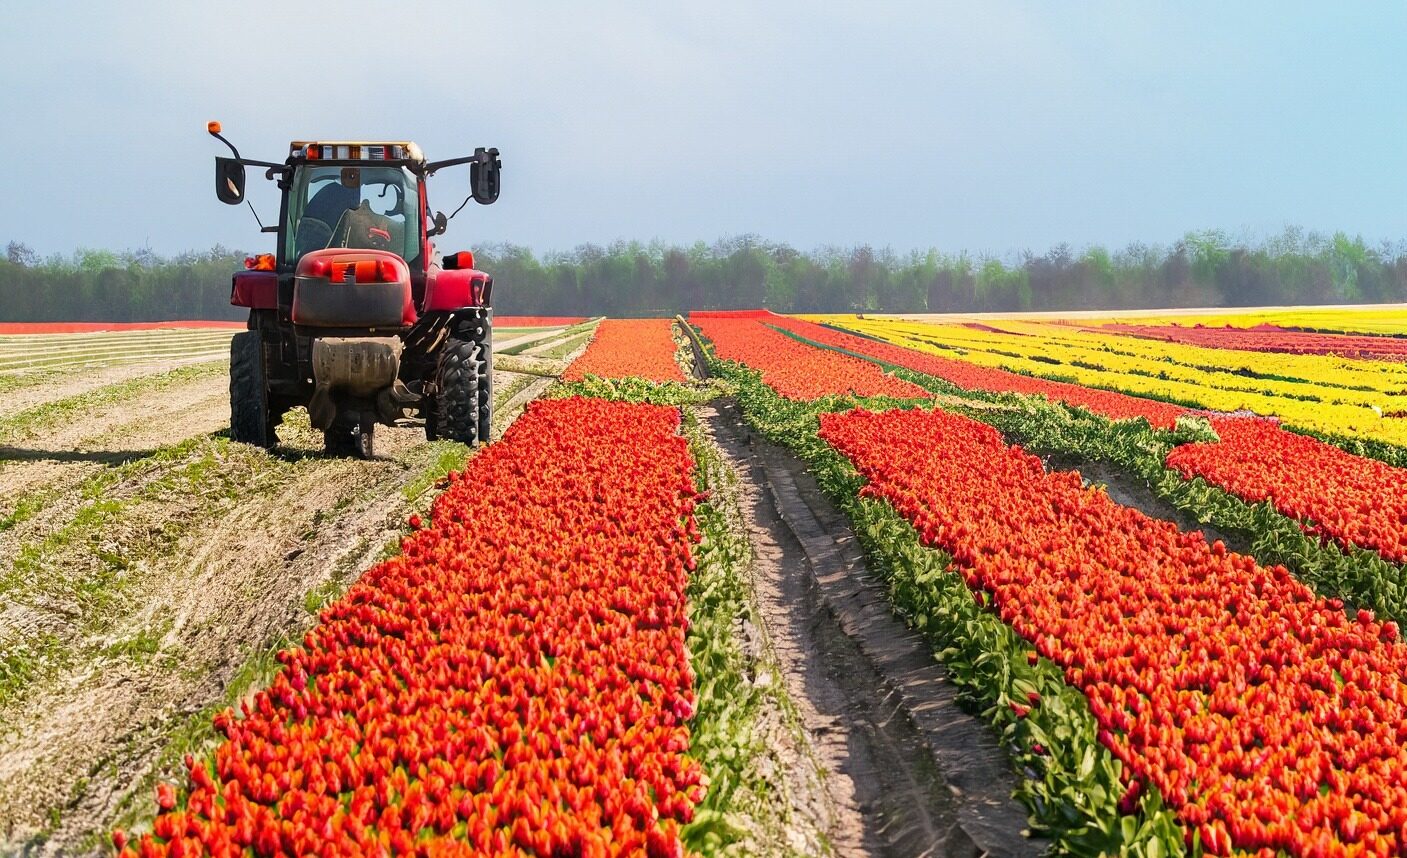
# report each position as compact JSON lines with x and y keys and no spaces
{"x":912,"y":775}
{"x":224,"y":553}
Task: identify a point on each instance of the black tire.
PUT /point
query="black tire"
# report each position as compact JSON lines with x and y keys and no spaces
{"x":457,"y":392}
{"x":431,"y":409}
{"x":486,"y":385}
{"x":251,"y":421}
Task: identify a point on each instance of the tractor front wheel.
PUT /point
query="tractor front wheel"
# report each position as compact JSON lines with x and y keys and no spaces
{"x":457,"y":404}
{"x":251,"y":420}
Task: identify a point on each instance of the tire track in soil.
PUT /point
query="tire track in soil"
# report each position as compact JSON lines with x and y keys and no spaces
{"x":55,"y":463}
{"x":84,"y":742}
{"x":913,"y":775}
{"x":49,"y":385}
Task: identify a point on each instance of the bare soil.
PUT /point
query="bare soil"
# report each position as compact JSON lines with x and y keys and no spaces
{"x":911,"y":773}
{"x":53,"y":461}
{"x":63,"y":383}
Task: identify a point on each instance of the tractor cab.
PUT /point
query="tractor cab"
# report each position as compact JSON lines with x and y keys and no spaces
{"x":355,"y":315}
{"x":366,"y":208}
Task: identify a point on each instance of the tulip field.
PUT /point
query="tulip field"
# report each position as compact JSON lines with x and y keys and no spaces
{"x":487,"y":689}
{"x":1160,"y":559}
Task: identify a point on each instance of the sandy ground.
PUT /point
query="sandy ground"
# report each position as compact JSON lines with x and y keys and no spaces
{"x":910,"y":773}
{"x":64,"y":383}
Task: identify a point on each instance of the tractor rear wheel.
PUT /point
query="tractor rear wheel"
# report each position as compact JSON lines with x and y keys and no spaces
{"x":251,"y":420}
{"x":457,"y":400}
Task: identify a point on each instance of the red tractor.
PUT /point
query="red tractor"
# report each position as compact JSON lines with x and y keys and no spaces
{"x":356,"y":316}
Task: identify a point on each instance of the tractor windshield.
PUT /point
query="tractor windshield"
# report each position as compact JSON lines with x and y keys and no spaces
{"x":374,"y":208}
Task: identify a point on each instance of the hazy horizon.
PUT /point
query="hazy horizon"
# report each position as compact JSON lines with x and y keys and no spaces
{"x":990,"y":129}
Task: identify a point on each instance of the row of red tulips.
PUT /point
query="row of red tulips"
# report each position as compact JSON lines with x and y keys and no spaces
{"x":1115,"y":406}
{"x":792,"y":368}
{"x":1267,"y":718}
{"x":515,"y":682}
{"x":1268,"y":338}
{"x":1351,"y":499}
{"x":629,"y":348}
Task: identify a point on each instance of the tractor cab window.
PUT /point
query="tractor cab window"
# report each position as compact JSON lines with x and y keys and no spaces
{"x":376,"y":208}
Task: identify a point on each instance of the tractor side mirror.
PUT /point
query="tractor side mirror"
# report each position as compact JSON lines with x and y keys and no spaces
{"x":229,"y":181}
{"x":483,"y":175}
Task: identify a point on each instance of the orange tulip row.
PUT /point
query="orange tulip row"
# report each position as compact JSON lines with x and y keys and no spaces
{"x":793,"y":368}
{"x":1115,"y":406}
{"x":629,"y":348}
{"x":1351,"y":499}
{"x":514,"y":683}
{"x":1267,"y":718}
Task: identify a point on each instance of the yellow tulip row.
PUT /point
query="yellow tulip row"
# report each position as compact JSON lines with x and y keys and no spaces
{"x":1319,"y":396}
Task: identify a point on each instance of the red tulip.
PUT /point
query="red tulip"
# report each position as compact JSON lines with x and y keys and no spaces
{"x":516,"y":679}
{"x":1284,"y":710}
{"x":629,"y":348}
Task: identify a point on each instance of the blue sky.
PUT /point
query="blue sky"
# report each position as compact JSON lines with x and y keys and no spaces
{"x":990,"y":127}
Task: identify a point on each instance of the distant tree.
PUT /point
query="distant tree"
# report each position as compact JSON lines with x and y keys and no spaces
{"x":94,"y":261}
{"x":19,"y":253}
{"x":633,"y":278}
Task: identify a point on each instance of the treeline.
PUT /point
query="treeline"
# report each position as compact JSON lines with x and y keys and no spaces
{"x":1205,"y":269}
{"x":101,"y":286}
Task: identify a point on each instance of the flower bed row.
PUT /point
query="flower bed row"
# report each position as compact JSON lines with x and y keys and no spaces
{"x":1363,"y":576}
{"x":1338,"y":398}
{"x":629,"y":348}
{"x":1351,"y":499}
{"x":793,"y":368}
{"x":1116,"y":406}
{"x":1268,"y":338}
{"x":1070,"y":783}
{"x":1369,"y":320}
{"x":1264,"y":716}
{"x":515,"y":682}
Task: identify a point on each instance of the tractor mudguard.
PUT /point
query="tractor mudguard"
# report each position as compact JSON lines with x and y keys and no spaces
{"x":257,"y":290}
{"x":455,"y":289}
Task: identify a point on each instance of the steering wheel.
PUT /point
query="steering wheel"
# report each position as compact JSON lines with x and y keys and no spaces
{"x":400,"y":199}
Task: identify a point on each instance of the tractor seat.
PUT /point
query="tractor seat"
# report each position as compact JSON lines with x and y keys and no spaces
{"x":363,"y":229}
{"x":324,"y":210}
